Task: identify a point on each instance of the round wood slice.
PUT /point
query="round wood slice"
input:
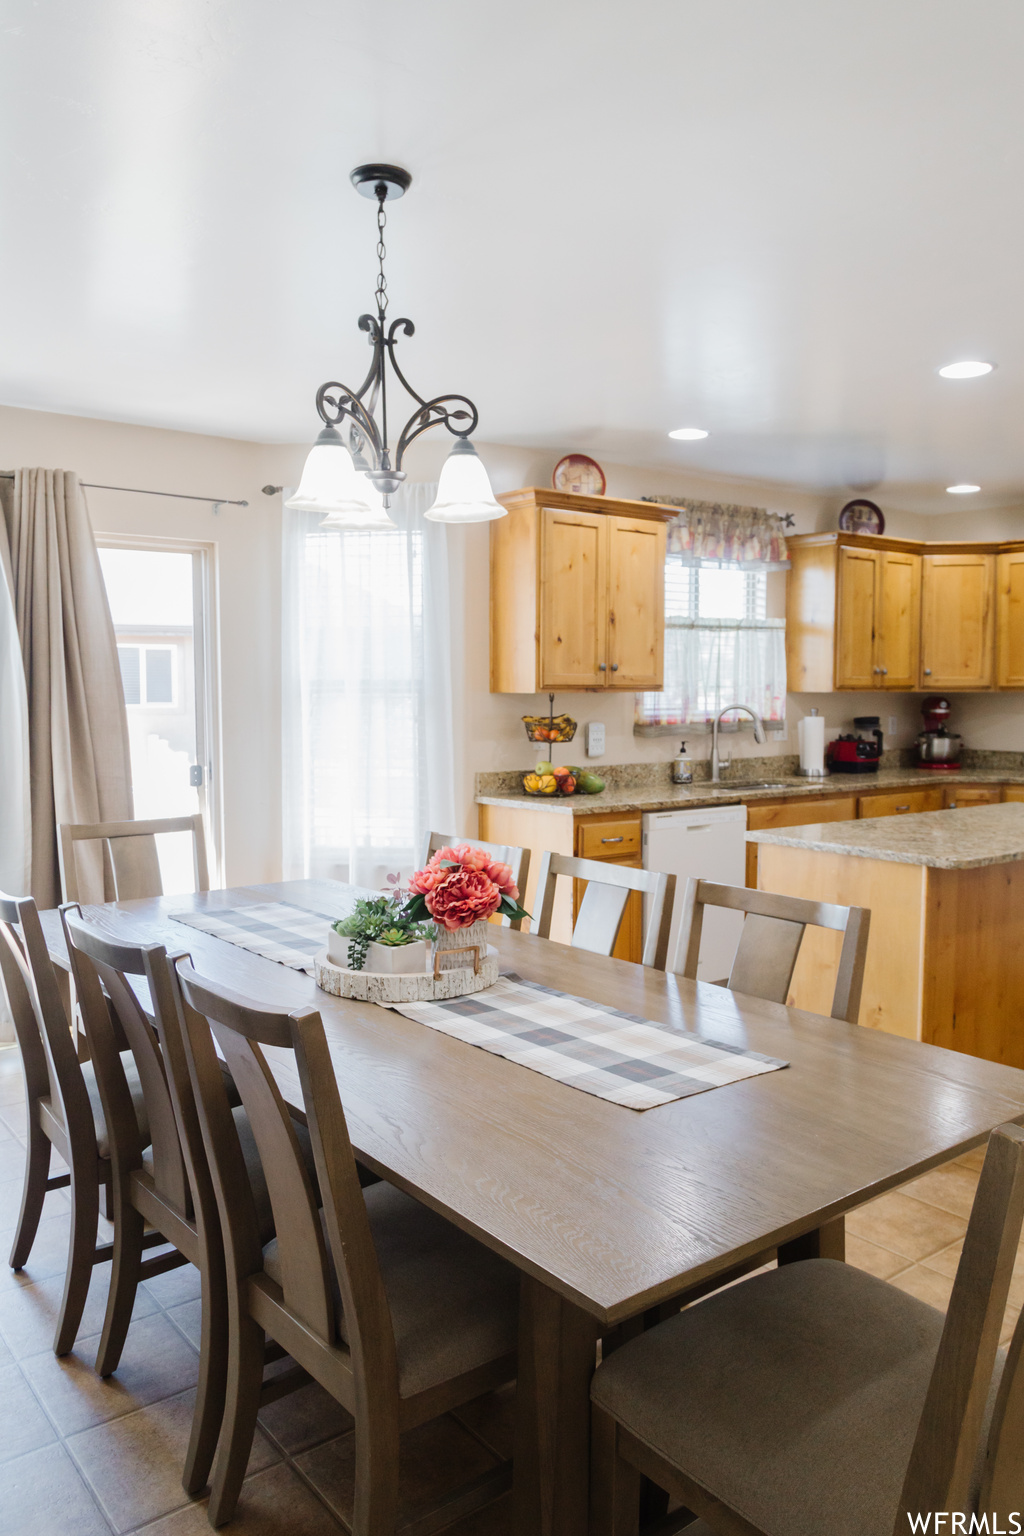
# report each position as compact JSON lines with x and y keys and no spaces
{"x":418,"y":987}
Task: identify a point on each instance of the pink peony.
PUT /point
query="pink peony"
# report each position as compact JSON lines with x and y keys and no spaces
{"x":463,"y":897}
{"x":424,"y":880}
{"x":501,"y":874}
{"x":469,"y":858}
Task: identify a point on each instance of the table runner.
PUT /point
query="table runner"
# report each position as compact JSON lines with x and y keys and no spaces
{"x":277,"y":930}
{"x":617,"y":1056}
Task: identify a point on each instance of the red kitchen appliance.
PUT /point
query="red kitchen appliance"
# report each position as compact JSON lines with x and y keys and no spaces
{"x":856,"y":754}
{"x":937,"y":746}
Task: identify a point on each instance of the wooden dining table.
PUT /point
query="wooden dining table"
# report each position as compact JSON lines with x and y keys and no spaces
{"x":605,"y":1211}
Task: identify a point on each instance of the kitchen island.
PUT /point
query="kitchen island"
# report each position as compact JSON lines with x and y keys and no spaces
{"x":945,"y":960}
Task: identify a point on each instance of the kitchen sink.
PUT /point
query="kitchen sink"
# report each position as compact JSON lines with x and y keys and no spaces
{"x":737,"y":784}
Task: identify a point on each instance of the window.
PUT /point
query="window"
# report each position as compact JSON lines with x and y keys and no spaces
{"x":148,"y":673}
{"x":720,"y":647}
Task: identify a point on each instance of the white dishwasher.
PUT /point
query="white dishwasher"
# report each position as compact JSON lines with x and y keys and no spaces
{"x":711,"y":845}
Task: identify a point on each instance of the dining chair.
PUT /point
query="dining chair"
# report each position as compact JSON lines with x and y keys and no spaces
{"x":818,"y":1398}
{"x":63,"y":1111}
{"x":770,"y":939}
{"x":392,"y":1309}
{"x":131,"y":846}
{"x":604,"y":904}
{"x":517,"y":859}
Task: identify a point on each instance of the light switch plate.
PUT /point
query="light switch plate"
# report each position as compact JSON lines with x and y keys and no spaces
{"x":894,"y":725}
{"x":595,"y":738}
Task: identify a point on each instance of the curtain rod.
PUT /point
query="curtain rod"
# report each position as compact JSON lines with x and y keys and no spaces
{"x":216,"y":501}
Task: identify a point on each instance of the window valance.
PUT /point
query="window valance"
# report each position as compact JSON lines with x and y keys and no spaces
{"x":751,"y":538}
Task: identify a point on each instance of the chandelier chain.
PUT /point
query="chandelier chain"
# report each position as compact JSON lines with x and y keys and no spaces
{"x":382,"y":282}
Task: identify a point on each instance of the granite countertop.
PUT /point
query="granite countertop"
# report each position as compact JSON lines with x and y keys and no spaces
{"x":663,"y":796}
{"x":968,"y":839}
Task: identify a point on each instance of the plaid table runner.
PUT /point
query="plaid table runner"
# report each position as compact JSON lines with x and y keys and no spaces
{"x":613,"y":1055}
{"x":277,"y":930}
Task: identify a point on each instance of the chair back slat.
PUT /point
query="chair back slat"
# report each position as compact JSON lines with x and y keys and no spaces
{"x":131,"y":848}
{"x":16,"y":979}
{"x":770,"y":940}
{"x":242,"y":1030}
{"x":1002,"y":1483}
{"x":301,"y":1252}
{"x":100,"y":967}
{"x":517,"y":859}
{"x":603,"y":906}
{"x":939,"y":1474}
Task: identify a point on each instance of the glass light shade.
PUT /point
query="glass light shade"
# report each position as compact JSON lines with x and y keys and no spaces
{"x":331,"y":484}
{"x":464,"y":492}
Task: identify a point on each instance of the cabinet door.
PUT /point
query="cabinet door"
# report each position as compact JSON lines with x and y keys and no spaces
{"x":763,"y":818}
{"x":899,"y":619}
{"x":957,"y":621}
{"x":902,"y":802}
{"x":636,"y":603}
{"x":573,"y":600}
{"x":855,"y":626}
{"x":960,"y":797}
{"x":1010,"y":619}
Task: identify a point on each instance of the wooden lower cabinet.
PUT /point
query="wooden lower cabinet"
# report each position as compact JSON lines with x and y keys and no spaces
{"x":901,"y":802}
{"x":1013,"y":792}
{"x":960,"y":797}
{"x":800,"y":813}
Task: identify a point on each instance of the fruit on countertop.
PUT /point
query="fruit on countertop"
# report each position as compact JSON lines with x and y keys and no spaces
{"x":544,"y":769}
{"x":590,"y":783}
{"x":540,"y":783}
{"x":566,"y":781}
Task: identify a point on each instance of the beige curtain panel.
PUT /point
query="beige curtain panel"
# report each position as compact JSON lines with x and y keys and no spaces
{"x":78,"y":730}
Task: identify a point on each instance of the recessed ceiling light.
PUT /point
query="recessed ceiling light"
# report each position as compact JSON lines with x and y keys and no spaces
{"x":965,"y":370}
{"x":962,"y":490}
{"x":688,"y":434}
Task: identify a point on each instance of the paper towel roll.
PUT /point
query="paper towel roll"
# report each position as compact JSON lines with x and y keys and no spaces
{"x":811,"y":731}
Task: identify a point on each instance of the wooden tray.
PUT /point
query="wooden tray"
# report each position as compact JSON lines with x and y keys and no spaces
{"x":415,"y":987}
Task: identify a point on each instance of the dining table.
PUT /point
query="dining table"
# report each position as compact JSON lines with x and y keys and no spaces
{"x":607,"y":1213}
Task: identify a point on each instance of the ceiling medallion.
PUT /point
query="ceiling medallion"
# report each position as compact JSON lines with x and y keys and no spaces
{"x":351,"y":475}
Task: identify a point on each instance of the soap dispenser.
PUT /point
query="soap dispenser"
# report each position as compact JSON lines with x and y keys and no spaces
{"x":682,"y":768}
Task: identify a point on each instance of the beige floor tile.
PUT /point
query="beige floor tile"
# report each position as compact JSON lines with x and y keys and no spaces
{"x":42,"y":1495}
{"x":133,"y":1464}
{"x":49,"y":1255}
{"x":495,"y":1520}
{"x":926,"y":1284}
{"x":13,"y":1117}
{"x":974,"y":1158}
{"x":23,"y":1424}
{"x":56,"y":1203}
{"x":492,"y":1418}
{"x":436,"y":1458}
{"x":272,"y":1503}
{"x":189,"y":1318}
{"x":176,"y":1286}
{"x":28,"y":1313}
{"x":946,"y":1260}
{"x":157,"y":1362}
{"x":906,"y":1226}
{"x":12,"y":1160}
{"x":304,"y":1419}
{"x":951,"y":1188}
{"x":12,"y":1088}
{"x":868,"y":1256}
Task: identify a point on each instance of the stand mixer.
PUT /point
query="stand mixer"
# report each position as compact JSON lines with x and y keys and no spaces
{"x":938,"y":747}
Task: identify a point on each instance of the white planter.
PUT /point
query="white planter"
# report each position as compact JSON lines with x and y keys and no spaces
{"x":337,"y":948}
{"x":396,"y":959}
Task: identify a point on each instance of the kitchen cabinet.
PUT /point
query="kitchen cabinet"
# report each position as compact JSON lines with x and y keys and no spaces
{"x":959,"y":797}
{"x":869,"y":613}
{"x":879,"y":612}
{"x":958,"y":621}
{"x":1010,"y":619}
{"x":799,"y":813}
{"x":901,"y":802}
{"x":577,"y":594}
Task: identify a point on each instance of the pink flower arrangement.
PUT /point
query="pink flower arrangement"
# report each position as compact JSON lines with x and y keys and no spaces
{"x":461,"y":886}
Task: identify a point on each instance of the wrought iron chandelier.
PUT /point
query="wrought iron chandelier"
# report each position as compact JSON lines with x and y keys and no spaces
{"x":352,"y":477}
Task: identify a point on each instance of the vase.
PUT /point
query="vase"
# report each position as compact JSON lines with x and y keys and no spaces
{"x":337,"y":949}
{"x":475,"y":935}
{"x":396,"y":959}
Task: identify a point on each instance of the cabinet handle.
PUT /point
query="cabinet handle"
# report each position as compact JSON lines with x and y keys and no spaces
{"x":927,"y":671}
{"x":885,"y":671}
{"x":878,"y":669}
{"x":612,"y":839}
{"x":903,"y":808}
{"x":615,"y":666}
{"x":602,"y":666}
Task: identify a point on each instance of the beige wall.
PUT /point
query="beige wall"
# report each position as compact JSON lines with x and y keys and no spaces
{"x":247,"y":542}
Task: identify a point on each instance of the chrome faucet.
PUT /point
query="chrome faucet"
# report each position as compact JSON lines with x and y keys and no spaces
{"x":759,"y":735}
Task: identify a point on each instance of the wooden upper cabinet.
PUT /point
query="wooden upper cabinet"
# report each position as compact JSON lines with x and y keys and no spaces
{"x":1010,"y":619}
{"x":636,"y":625}
{"x":898,"y":621}
{"x":855,"y":628}
{"x":577,"y":593}
{"x":958,"y":621}
{"x":573,"y":599}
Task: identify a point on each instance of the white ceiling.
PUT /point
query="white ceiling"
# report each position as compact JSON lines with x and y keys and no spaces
{"x":772,"y":220}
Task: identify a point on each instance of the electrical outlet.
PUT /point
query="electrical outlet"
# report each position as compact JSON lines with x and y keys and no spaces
{"x":894,"y":725}
{"x":595,"y":738}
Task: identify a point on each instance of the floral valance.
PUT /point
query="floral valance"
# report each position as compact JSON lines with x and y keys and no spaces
{"x":749,"y":537}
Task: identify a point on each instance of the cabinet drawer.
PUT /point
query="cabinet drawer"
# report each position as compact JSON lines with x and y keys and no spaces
{"x":901,"y":803}
{"x":1013,"y":791}
{"x":960,"y":796}
{"x":609,"y":839}
{"x":763,"y":818}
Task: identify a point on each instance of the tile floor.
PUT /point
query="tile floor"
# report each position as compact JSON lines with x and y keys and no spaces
{"x":85,"y":1457}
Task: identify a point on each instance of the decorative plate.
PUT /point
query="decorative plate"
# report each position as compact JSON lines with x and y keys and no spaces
{"x":576,"y":472}
{"x":861,"y":517}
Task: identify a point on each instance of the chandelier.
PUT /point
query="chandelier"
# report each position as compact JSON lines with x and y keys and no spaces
{"x":351,"y":474}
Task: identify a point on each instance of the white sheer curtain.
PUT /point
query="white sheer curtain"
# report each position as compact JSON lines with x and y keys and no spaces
{"x":369,"y":753}
{"x":717,"y":662}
